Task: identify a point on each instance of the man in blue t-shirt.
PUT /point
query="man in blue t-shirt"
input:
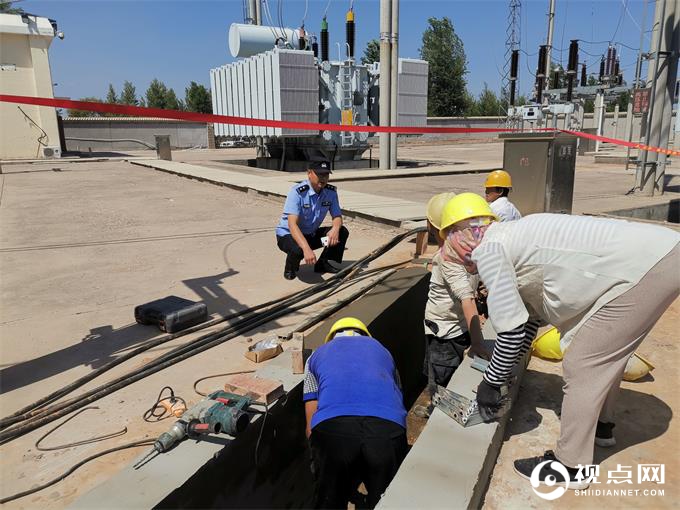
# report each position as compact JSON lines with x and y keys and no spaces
{"x":355,"y":415}
{"x":299,"y":232}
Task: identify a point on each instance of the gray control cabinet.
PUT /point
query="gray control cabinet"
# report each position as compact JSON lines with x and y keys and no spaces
{"x":542,"y":167}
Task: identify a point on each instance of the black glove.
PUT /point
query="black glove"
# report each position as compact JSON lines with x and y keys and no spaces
{"x":489,"y":401}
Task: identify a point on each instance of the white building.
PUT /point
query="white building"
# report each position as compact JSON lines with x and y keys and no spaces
{"x":26,"y":131}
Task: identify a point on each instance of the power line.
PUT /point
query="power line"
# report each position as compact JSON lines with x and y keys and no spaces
{"x":618,"y":25}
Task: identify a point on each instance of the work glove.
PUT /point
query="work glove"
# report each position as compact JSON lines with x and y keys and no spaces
{"x":489,"y":401}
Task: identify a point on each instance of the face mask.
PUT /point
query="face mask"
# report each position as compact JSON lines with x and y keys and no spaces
{"x":463,"y":240}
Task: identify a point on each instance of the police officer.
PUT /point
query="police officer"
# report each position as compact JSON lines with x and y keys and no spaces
{"x":299,"y":231}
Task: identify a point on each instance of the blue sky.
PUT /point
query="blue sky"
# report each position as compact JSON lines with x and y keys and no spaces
{"x":180,"y":41}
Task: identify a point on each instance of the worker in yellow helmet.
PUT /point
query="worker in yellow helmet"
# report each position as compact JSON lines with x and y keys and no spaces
{"x":451,"y":318}
{"x":603,"y":283}
{"x":497,"y":188}
{"x":356,"y":420}
{"x":434,"y":213}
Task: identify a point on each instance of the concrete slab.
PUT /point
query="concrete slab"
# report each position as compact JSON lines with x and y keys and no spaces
{"x":354,"y":204}
{"x":449,"y":465}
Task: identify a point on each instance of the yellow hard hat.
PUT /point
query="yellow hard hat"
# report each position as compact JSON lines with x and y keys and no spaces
{"x":636,"y":368}
{"x":498,"y":179}
{"x":435,"y":207}
{"x":346,"y":323}
{"x":464,"y":207}
{"x":547,"y":346}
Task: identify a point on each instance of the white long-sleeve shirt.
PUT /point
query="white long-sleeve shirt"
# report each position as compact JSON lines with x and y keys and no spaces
{"x":563,"y":268}
{"x":504,"y":209}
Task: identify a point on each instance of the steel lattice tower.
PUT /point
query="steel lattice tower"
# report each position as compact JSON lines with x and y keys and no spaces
{"x":512,"y":40}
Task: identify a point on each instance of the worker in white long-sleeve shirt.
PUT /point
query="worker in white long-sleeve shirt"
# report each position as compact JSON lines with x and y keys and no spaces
{"x":602,"y":282}
{"x":496,"y":190}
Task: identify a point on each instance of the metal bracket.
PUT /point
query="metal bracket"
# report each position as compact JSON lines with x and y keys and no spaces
{"x":460,"y":408}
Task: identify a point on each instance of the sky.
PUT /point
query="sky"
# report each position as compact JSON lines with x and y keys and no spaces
{"x":109,"y":41}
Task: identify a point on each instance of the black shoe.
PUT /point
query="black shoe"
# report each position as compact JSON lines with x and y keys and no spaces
{"x":604,"y":435}
{"x":525,"y":468}
{"x":289,"y":274}
{"x":323,"y":266}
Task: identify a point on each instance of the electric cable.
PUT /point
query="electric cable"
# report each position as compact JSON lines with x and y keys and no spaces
{"x":154,"y":342}
{"x":304,"y":16}
{"x":325,"y":11}
{"x":164,"y":413}
{"x":72,"y":469}
{"x":40,"y":417}
{"x":618,"y":25}
{"x":44,"y":135}
{"x":77,"y":443}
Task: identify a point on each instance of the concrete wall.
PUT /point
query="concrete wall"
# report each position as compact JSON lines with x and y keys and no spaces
{"x":182,"y":134}
{"x":614,"y":127}
{"x":25,"y":71}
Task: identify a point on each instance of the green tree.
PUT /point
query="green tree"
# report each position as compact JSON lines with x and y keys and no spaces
{"x":197,"y":98}
{"x":156,"y":94}
{"x":86,"y":113}
{"x":171,"y":101}
{"x":371,"y":52}
{"x":129,"y":94}
{"x":443,"y":50}
{"x":6,"y":8}
{"x":488,"y":104}
{"x":111,"y":96}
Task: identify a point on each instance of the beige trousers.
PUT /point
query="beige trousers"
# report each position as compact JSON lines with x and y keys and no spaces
{"x":594,"y":363}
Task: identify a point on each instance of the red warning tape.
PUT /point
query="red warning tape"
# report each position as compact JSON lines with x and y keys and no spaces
{"x":307,"y":126}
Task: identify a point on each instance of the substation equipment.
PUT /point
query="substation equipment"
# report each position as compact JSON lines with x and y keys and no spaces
{"x":288,"y":75}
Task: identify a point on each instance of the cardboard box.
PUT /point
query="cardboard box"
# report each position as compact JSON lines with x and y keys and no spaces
{"x":260,"y":356}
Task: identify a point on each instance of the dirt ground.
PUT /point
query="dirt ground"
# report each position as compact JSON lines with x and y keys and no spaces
{"x":646,"y":431}
{"x":81,"y":244}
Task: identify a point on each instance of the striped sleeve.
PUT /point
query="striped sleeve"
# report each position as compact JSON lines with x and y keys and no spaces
{"x":506,"y":308}
{"x":310,"y":388}
{"x":509,"y":348}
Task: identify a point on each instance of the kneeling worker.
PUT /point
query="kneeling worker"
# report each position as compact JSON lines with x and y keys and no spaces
{"x":356,"y":420}
{"x":497,"y":188}
{"x":299,"y":231}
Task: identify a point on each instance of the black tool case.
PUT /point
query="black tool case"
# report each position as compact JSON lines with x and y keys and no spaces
{"x":171,"y":314}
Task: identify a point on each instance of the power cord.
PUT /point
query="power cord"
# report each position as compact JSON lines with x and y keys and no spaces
{"x":165,"y":407}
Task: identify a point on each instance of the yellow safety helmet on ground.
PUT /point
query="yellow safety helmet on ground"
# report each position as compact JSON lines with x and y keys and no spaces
{"x":464,"y":207}
{"x":346,"y":323}
{"x":435,"y":207}
{"x":637,"y":367}
{"x":498,"y":179}
{"x":547,"y":346}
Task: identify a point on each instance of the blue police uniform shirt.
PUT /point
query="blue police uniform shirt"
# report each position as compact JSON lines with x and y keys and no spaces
{"x":310,"y":207}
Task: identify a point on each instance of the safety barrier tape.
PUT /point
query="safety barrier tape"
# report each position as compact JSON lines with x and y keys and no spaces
{"x":306,"y":126}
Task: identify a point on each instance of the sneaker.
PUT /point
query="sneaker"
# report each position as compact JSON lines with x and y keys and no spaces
{"x":548,"y":475}
{"x":604,"y":434}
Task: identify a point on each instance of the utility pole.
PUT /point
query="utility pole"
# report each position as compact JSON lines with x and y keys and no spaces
{"x":642,"y":173}
{"x":652,"y":167}
{"x":385,"y":78}
{"x":667,"y":79}
{"x":394,"y":82}
{"x":549,"y":43}
{"x":636,"y":85}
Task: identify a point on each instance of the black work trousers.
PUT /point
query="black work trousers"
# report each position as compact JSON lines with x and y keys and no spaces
{"x":288,"y":245}
{"x":348,"y":450}
{"x":442,"y":357}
